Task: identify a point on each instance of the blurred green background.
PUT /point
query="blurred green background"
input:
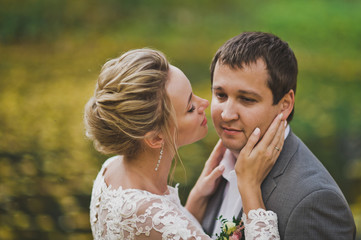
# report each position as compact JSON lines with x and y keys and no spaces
{"x":51,"y":52}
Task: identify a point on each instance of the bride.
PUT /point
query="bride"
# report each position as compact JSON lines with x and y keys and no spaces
{"x":142,"y":111}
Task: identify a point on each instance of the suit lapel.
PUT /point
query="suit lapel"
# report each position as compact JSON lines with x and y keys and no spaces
{"x":240,"y":214}
{"x":213,"y":207}
{"x":270,"y":183}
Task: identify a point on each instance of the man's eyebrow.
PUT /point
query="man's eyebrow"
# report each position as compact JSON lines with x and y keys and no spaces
{"x":250,"y":93}
{"x":239,"y":91}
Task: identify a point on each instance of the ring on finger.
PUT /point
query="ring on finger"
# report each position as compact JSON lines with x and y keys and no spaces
{"x":277,"y":148}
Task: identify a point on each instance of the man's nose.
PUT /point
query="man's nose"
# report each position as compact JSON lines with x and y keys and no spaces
{"x":229,"y":113}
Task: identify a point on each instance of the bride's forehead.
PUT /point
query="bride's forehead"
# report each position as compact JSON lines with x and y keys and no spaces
{"x":177,"y":80}
{"x":178,"y":88}
{"x":175,"y":72}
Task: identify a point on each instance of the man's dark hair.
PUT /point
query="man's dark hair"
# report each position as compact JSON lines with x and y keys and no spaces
{"x":279,"y":58}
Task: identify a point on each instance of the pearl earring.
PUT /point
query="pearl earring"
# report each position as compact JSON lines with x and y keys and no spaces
{"x":160,"y":158}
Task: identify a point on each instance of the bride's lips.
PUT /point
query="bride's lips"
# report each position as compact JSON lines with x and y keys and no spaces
{"x":204,"y":122}
{"x":231,"y":131}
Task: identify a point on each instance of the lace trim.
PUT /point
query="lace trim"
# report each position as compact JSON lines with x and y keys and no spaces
{"x":261,"y":225}
{"x":138,"y":214}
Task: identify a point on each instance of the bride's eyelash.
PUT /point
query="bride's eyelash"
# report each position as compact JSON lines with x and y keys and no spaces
{"x":192,"y":109}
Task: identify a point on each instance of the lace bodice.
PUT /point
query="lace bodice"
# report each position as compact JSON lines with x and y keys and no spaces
{"x":138,"y":214}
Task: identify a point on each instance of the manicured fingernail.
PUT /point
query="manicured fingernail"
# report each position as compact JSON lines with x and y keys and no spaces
{"x":221,"y":168}
{"x":285,"y":123}
{"x":256,"y":131}
{"x":280,"y":116}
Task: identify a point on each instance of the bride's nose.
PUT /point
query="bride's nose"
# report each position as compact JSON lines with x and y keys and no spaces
{"x":203,"y":105}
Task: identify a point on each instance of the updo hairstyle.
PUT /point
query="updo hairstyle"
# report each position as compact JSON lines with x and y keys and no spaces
{"x":130,"y":100}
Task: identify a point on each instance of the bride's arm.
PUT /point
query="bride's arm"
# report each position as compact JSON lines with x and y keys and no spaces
{"x":206,"y":183}
{"x":256,"y":160}
{"x":253,"y":164}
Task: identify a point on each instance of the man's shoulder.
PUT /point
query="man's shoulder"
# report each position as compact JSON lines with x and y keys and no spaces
{"x":298,"y":185}
{"x":296,"y":158}
{"x":303,"y":158}
{"x":300,"y":154}
{"x":304,"y":171}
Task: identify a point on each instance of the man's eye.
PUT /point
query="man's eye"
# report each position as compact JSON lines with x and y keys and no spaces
{"x":250,"y":100}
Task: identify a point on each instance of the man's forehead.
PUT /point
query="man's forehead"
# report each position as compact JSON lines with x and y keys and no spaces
{"x":240,"y":63}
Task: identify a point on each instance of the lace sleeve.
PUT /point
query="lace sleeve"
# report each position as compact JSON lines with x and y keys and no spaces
{"x":261,"y":225}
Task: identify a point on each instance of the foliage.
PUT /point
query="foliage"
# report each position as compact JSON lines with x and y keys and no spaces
{"x":51,"y":53}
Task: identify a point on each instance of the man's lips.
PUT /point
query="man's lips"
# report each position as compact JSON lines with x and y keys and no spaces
{"x":231,"y":131}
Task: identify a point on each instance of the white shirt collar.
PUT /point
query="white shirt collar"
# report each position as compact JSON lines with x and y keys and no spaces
{"x":228,"y":161}
{"x":287,"y":131}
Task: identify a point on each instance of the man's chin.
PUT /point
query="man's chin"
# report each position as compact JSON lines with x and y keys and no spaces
{"x":234,"y":148}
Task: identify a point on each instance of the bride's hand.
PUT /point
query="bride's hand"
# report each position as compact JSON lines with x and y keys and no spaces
{"x":256,"y":160}
{"x":208,"y":180}
{"x":206,"y":183}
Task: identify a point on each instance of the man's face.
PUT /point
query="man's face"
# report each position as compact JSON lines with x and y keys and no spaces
{"x":241,"y":101}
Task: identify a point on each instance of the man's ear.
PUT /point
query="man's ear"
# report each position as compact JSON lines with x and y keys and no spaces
{"x":286,"y":104}
{"x":154,"y":140}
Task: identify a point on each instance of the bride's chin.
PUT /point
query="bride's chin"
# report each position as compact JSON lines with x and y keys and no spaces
{"x":204,"y":135}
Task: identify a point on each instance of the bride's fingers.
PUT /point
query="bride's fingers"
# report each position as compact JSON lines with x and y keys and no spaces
{"x":216,"y":173}
{"x":251,"y":142}
{"x":216,"y":155}
{"x":271,"y":132}
{"x":279,"y":136}
{"x":277,"y":143}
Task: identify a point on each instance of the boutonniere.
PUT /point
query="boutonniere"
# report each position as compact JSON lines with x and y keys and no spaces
{"x":231,"y":230}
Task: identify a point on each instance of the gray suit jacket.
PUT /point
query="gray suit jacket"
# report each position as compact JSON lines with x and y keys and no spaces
{"x":307,"y":200}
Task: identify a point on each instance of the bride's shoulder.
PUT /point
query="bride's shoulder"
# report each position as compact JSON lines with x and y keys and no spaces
{"x":113,"y":173}
{"x":116,"y":176}
{"x":114,"y":185}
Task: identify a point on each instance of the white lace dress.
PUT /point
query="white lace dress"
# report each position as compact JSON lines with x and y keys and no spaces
{"x":137,"y":214}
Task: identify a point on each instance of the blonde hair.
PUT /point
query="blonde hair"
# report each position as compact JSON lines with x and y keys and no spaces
{"x":130,"y":100}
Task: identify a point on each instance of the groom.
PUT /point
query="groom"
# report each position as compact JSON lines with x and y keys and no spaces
{"x":254,"y":78}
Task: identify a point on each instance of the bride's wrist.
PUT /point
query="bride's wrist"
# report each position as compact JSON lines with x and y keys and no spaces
{"x":252,"y":198}
{"x":197,"y":194}
{"x":250,"y":191}
{"x":196,"y":204}
{"x":248,"y":187}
